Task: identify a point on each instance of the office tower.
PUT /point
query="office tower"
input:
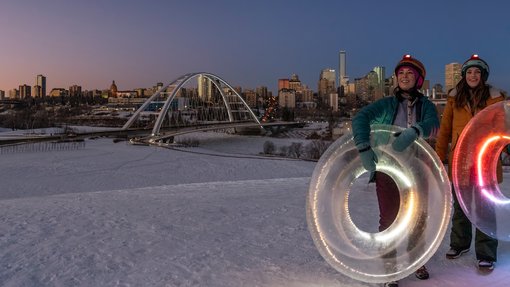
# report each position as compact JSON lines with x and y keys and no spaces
{"x":372,"y":86}
{"x":307,"y":95}
{"x":25,"y":91}
{"x":381,"y":73}
{"x":262,"y":92}
{"x":333,"y":101}
{"x":2,"y":95}
{"x":41,"y":83}
{"x":202,"y":83}
{"x":295,"y":83}
{"x":328,"y":74}
{"x":381,"y":77}
{"x":250,"y":96}
{"x":14,"y":94}
{"x":287,"y":98}
{"x":342,"y":66}
{"x":452,"y":75}
{"x":75,"y":91}
{"x":283,"y":84}
{"x":327,"y":82}
{"x":37,"y":91}
{"x":206,"y":89}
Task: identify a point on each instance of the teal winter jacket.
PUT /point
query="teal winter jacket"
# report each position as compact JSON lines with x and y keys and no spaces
{"x":384,"y":111}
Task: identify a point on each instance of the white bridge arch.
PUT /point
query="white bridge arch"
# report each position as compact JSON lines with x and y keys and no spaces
{"x":233,"y":105}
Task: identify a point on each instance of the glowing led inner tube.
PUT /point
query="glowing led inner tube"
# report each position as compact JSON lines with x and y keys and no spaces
{"x":415,"y":234}
{"x":499,"y":198}
{"x":474,"y":170}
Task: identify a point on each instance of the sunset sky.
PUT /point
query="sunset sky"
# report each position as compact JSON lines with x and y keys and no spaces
{"x":247,"y":43}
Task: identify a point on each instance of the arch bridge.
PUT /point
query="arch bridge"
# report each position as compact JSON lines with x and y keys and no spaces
{"x":175,"y":106}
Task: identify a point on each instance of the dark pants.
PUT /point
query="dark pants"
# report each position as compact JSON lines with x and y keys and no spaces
{"x":462,"y":233}
{"x":388,"y":198}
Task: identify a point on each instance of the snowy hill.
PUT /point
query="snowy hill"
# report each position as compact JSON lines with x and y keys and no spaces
{"x":114,"y":214}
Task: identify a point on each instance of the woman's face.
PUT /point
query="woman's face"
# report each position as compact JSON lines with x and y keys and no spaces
{"x":473,"y":77}
{"x":406,"y":79}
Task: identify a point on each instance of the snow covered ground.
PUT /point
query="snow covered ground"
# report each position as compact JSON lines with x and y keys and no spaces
{"x":114,"y":214}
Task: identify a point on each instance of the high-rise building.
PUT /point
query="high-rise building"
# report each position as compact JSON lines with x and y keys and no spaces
{"x":327,"y":82}
{"x":342,"y":70}
{"x":283,"y":84}
{"x":325,"y":87}
{"x":14,"y":94}
{"x":328,"y":74}
{"x":262,"y":92}
{"x":373,"y":85}
{"x":452,"y":75}
{"x":207,"y":90}
{"x":25,"y":91}
{"x":37,"y":91}
{"x":307,"y":95}
{"x":75,"y":91}
{"x":204,"y":88}
{"x":381,"y":77}
{"x":295,"y":83}
{"x":2,"y":95}
{"x":250,"y":96}
{"x":333,"y":101}
{"x":41,"y":83}
{"x":366,"y":87}
{"x":287,"y":98}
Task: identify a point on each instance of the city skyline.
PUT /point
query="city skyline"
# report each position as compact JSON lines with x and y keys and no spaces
{"x":137,"y":44}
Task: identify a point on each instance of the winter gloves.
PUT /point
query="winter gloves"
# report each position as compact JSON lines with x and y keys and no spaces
{"x":368,"y":157}
{"x":405,"y":138}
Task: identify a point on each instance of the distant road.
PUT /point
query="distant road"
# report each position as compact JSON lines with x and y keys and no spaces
{"x":133,"y":132}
